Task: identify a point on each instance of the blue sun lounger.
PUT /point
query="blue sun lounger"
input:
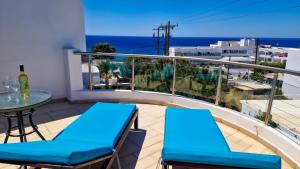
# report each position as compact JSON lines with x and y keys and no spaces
{"x":95,"y":136}
{"x":193,"y":139}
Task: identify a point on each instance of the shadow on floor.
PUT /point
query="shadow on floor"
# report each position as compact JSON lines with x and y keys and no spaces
{"x":129,"y":152}
{"x":131,"y":149}
{"x":50,"y":112}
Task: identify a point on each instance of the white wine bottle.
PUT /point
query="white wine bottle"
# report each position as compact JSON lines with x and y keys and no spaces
{"x":24,"y":84}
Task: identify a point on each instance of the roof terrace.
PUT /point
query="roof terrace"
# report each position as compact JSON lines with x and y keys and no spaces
{"x":190,"y":82}
{"x":154,"y":82}
{"x":142,"y":148}
{"x":43,"y":36}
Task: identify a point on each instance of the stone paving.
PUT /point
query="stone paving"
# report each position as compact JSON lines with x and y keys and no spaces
{"x":142,"y":148}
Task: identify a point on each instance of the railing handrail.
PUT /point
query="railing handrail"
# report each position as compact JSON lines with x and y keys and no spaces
{"x":246,"y":65}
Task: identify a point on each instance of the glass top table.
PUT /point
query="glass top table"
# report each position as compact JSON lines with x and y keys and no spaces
{"x":12,"y":106}
{"x":11,"y":102}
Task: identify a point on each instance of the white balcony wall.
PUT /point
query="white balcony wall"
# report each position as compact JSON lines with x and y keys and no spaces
{"x":34,"y":33}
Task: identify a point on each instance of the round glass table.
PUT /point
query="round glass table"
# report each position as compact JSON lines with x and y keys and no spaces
{"x":12,"y":106}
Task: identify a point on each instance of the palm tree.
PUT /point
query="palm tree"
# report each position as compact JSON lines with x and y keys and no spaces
{"x":104,"y":68}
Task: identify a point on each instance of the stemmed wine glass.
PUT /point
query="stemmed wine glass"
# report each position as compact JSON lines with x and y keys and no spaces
{"x":15,"y":87}
{"x":6,"y":82}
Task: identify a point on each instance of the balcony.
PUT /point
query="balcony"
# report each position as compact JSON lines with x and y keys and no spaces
{"x":154,"y":82}
{"x":198,"y":83}
{"x":142,"y":149}
{"x":256,"y":107}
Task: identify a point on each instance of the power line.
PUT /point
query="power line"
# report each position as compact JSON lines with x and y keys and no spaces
{"x":212,"y":11}
{"x":241,"y":16}
{"x":209,"y":10}
{"x":207,"y":18}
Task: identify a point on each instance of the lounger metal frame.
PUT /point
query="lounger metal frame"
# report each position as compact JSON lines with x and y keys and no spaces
{"x":107,"y":159}
{"x":165,"y":165}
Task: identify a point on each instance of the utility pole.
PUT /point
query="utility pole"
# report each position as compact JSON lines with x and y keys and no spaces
{"x":158,"y":39}
{"x":167,"y":36}
{"x":228,"y":71}
{"x":256,"y":51}
{"x":165,"y":28}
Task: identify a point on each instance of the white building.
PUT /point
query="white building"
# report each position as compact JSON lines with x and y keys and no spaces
{"x":201,"y":52}
{"x":273,"y":54}
{"x":291,"y":84}
{"x":243,"y":50}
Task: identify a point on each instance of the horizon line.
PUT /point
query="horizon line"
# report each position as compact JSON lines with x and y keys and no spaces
{"x":201,"y":36}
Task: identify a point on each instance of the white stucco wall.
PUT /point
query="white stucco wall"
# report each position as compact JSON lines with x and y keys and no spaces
{"x":291,"y":84}
{"x":34,"y":33}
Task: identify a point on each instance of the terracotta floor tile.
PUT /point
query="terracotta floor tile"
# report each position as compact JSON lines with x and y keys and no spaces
{"x":142,"y":148}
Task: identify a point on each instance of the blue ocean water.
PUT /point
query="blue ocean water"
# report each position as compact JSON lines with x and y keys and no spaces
{"x":147,"y":45}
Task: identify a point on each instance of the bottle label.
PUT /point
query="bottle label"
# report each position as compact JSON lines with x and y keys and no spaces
{"x":24,"y":84}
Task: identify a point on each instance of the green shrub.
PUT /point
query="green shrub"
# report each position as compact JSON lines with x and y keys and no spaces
{"x":262,"y":117}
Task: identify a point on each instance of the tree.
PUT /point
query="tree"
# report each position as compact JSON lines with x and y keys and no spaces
{"x":273,"y":64}
{"x":103,"y":48}
{"x":257,"y":75}
{"x":104,"y":68}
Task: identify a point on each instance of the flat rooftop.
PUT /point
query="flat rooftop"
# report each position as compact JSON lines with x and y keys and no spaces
{"x":271,"y":76}
{"x":249,"y":85}
{"x":142,"y":148}
{"x":284,"y":112}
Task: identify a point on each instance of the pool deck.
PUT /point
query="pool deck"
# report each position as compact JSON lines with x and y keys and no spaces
{"x":142,"y":148}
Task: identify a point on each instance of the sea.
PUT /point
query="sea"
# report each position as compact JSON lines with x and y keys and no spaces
{"x":148,"y":45}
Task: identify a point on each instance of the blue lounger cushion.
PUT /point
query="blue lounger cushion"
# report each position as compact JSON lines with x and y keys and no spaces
{"x":94,"y":134}
{"x":232,"y":159}
{"x":192,"y":136}
{"x":192,"y":129}
{"x":57,"y":152}
{"x":103,"y":121}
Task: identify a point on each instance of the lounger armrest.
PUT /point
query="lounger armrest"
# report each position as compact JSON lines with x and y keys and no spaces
{"x":230,"y":159}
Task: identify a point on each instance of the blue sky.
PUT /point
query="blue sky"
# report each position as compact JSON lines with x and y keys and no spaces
{"x":199,"y":18}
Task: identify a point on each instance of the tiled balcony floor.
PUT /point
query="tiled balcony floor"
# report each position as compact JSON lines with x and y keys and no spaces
{"x":142,"y":148}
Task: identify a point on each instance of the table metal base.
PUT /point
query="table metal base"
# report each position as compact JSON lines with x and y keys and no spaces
{"x":20,"y":125}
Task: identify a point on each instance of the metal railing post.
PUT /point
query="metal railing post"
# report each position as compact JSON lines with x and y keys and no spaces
{"x":272,"y":94}
{"x":218,"y":94}
{"x":90,"y":72}
{"x":174,"y":77}
{"x":132,"y":75}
